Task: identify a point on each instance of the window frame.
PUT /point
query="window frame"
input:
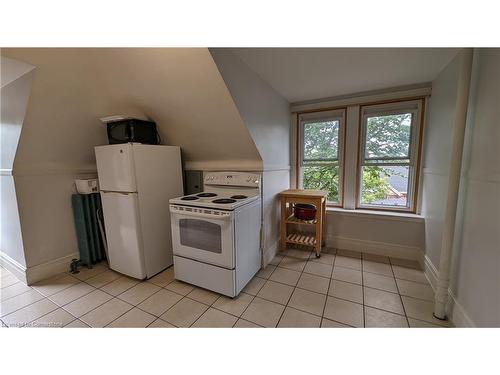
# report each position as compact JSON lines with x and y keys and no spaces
{"x":318,"y":116}
{"x":416,"y":108}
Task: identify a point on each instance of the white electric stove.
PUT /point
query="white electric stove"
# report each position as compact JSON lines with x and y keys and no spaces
{"x":216,"y":233}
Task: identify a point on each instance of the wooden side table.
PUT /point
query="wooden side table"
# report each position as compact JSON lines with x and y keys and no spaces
{"x":288,"y":198}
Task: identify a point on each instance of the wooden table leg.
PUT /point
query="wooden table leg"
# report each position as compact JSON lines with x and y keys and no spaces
{"x":319,"y":227}
{"x":323,"y":229}
{"x":283,"y":224}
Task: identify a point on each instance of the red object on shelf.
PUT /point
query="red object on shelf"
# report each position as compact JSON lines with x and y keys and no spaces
{"x":304,"y":211}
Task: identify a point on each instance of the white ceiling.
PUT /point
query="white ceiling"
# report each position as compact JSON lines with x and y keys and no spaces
{"x":301,"y":74}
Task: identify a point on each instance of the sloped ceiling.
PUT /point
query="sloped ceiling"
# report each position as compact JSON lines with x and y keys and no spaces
{"x":180,"y":89}
{"x":301,"y":74}
{"x":10,"y":70}
{"x":265,"y":113}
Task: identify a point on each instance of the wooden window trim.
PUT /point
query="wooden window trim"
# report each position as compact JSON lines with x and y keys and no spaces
{"x":417,"y":162}
{"x":356,"y":153}
{"x":298,"y":150}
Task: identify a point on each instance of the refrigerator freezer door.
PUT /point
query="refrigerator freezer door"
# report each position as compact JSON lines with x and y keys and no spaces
{"x":123,"y":233}
{"x":115,"y":167}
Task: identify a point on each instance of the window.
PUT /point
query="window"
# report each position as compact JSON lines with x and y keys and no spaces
{"x":365,"y":156}
{"x":388,"y":156}
{"x":321,"y":153}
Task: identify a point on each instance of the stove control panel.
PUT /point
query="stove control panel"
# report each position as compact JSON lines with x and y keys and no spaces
{"x":232,"y":179}
{"x":198,"y":211}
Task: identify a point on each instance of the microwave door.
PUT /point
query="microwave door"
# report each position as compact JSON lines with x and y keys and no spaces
{"x":118,"y":132}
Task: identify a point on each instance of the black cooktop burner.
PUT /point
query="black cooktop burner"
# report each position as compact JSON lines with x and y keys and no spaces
{"x":189,"y":198}
{"x":205,"y":195}
{"x":224,"y":200}
{"x":239,"y":197}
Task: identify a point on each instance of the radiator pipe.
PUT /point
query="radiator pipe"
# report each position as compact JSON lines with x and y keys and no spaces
{"x":463,"y":88}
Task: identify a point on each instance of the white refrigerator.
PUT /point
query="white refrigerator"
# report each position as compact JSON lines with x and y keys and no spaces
{"x":136,"y":182}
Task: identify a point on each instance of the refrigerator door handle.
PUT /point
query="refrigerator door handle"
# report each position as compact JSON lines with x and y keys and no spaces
{"x":116,"y":192}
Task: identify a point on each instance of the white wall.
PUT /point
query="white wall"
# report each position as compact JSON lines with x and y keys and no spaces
{"x":273,"y":183}
{"x":16,"y":78}
{"x":476,"y":248}
{"x":476,"y":270}
{"x":383,"y":234}
{"x":436,"y":156}
{"x":267,"y":116}
{"x":47,"y":216}
{"x":265,"y":112}
{"x":180,"y":89}
{"x":11,"y":240}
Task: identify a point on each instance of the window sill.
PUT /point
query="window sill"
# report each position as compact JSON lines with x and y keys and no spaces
{"x":385,"y":215}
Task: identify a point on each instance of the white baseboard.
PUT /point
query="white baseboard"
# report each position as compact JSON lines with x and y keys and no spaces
{"x":269,"y":253}
{"x":46,"y":270}
{"x":374,"y":247}
{"x":456,"y":312}
{"x":16,"y":268}
{"x":458,"y":315}
{"x":31,"y":275}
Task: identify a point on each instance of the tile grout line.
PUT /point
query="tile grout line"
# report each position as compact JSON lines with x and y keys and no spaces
{"x":327,"y":295}
{"x":29,"y":304}
{"x":32,"y":303}
{"x":109,"y":294}
{"x":118,"y":317}
{"x":209,"y":306}
{"x":94,"y":288}
{"x":297,"y":287}
{"x":279,"y":319}
{"x":190,"y":298}
{"x":266,"y":280}
{"x":19,"y":282}
{"x":328,"y":290}
{"x":203,"y":313}
{"x":99,"y":289}
{"x":137,"y":306}
{"x":257,"y":292}
{"x":156,"y":316}
{"x":162,"y":288}
{"x":293,"y":291}
{"x":50,"y":300}
{"x":400,"y":298}
{"x":62,"y":307}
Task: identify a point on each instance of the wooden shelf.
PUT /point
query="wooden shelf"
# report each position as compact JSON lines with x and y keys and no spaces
{"x":293,"y":220}
{"x":301,"y":239}
{"x":290,"y":234}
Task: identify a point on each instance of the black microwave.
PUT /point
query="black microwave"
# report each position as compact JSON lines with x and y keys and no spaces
{"x":132,"y":130}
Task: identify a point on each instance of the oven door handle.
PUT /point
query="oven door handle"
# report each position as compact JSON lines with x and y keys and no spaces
{"x":201,"y":215}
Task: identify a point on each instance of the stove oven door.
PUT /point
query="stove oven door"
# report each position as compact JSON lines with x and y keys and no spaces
{"x":204,"y":235}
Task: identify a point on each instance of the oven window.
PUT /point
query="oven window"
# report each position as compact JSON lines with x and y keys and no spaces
{"x":201,"y":235}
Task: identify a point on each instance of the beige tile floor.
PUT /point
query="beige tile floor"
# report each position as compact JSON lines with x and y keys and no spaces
{"x":340,"y":289}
